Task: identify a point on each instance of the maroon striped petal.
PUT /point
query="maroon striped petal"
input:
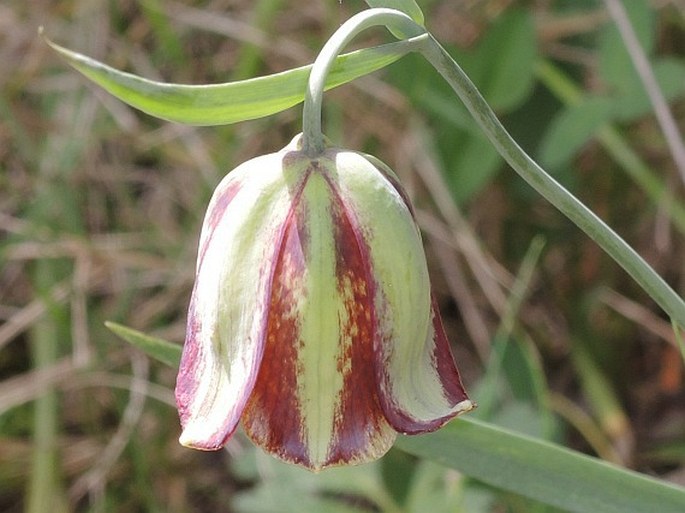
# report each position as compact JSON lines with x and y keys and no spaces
{"x":315,"y":400}
{"x":404,"y":415}
{"x":228,"y":308}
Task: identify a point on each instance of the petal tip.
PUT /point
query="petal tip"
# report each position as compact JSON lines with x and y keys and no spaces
{"x":195,"y":436}
{"x":464,"y":406}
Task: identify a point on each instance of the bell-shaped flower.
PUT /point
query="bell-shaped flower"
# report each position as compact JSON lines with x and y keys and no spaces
{"x":311,"y":319}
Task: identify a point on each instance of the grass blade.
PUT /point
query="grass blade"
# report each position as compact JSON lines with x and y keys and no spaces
{"x":157,"y":348}
{"x":543,"y":471}
{"x":510,"y":461}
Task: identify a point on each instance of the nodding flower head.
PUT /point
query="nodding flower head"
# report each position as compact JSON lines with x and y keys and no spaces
{"x":311,"y":319}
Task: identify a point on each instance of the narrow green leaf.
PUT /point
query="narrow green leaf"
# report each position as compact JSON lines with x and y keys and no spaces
{"x":157,"y":348}
{"x":510,"y":461}
{"x":408,"y":7}
{"x":219,"y":104}
{"x":543,"y":471}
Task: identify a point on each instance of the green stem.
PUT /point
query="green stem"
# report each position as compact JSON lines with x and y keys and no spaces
{"x":402,"y":25}
{"x":398,"y":22}
{"x":679,"y":339}
{"x":616,"y":146}
{"x":549,"y":188}
{"x":43,"y":493}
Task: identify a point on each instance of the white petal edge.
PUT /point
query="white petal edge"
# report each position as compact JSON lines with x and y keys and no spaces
{"x":229,"y":302}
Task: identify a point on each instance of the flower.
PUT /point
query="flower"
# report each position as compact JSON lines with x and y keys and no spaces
{"x":311,"y":319}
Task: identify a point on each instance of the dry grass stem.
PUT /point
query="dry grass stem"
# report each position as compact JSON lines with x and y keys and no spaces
{"x":94,"y":481}
{"x":662,"y":112}
{"x":26,"y":387}
{"x":638,"y":314}
{"x":25,"y":317}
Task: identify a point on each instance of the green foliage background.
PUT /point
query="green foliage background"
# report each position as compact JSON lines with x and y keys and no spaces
{"x":100,"y":208}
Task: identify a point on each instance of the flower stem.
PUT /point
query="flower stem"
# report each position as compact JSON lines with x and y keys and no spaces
{"x":549,"y":188}
{"x":403,"y":26}
{"x":398,"y":22}
{"x":617,"y":147}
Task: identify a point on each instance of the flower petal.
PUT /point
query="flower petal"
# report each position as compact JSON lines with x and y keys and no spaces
{"x":435,"y":397}
{"x":315,"y":400}
{"x":227,"y":314}
{"x":419,"y":385}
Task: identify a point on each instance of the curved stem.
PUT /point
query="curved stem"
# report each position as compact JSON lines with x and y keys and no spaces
{"x":549,"y":188}
{"x":398,"y":22}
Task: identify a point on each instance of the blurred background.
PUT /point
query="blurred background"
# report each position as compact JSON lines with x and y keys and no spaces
{"x":101,"y":206}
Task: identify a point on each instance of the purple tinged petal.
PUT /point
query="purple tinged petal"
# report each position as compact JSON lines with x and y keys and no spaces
{"x":315,"y":400}
{"x":226,"y":318}
{"x":401,"y":414}
{"x":311,"y":317}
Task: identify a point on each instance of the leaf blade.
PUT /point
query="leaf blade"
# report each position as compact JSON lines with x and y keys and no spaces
{"x":231,"y":102}
{"x":510,"y":461}
{"x":543,"y":471}
{"x":157,"y":348}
